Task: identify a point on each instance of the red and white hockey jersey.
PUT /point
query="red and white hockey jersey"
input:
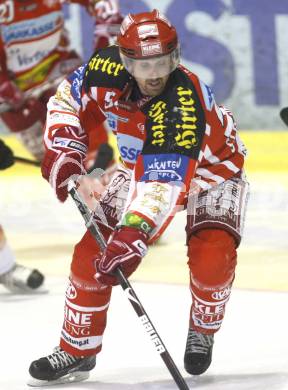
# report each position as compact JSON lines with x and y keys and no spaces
{"x":30,"y":39}
{"x":168,"y":142}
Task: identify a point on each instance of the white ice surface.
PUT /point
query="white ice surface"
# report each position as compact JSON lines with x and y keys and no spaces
{"x":250,"y":350}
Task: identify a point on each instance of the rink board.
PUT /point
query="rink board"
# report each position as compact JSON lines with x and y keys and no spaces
{"x":43,"y":232}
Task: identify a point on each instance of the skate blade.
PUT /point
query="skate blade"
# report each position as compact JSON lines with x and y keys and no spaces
{"x":77,"y":376}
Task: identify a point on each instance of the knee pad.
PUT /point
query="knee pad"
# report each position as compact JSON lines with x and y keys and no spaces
{"x":212,"y":258}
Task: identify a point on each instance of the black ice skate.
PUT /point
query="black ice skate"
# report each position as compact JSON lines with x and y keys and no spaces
{"x":60,"y":367}
{"x":198,"y":353}
{"x":21,"y":279}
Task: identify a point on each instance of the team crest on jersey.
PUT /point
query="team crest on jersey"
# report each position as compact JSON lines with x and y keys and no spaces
{"x":71,"y":292}
{"x":6,"y":11}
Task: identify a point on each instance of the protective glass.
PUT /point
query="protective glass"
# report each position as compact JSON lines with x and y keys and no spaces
{"x":153,"y":67}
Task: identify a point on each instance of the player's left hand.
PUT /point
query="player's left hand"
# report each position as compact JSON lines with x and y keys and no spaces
{"x":125,"y":248}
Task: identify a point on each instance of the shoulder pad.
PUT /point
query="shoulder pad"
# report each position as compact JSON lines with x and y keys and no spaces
{"x":105,"y":69}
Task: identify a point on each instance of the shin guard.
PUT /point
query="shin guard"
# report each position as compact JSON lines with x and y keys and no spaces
{"x":86,"y":303}
{"x":212,"y":261}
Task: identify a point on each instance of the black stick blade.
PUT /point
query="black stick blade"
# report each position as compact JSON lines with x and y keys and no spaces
{"x":284,"y":115}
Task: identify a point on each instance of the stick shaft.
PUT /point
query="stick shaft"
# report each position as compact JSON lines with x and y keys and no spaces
{"x":130,"y":293}
{"x":27,"y":161}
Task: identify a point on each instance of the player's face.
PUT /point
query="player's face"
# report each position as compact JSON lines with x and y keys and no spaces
{"x":152,"y":74}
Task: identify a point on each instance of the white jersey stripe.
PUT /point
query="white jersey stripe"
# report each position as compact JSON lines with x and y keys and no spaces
{"x":207,"y":174}
{"x":228,"y":164}
{"x":85,"y":308}
{"x":203,"y":184}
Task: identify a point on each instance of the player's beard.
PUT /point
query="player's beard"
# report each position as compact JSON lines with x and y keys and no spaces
{"x":152,"y":87}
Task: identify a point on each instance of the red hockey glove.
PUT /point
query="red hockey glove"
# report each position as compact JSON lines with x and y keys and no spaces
{"x":58,"y":167}
{"x":64,"y":160}
{"x":6,"y":156}
{"x":125,"y":248}
{"x":10,"y":93}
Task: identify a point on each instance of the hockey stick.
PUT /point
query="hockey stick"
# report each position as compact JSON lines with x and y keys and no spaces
{"x":129,"y":291}
{"x":27,"y":161}
{"x":284,"y":115}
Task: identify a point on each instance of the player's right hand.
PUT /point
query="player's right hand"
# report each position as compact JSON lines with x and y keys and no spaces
{"x":126,"y":248}
{"x":10,"y":93}
{"x":6,"y":156}
{"x":59,"y":167}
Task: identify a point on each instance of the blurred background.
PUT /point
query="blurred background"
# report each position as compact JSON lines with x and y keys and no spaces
{"x":237,"y":47}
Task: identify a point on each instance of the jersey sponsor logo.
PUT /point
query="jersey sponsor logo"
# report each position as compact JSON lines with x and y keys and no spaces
{"x":150,"y":49}
{"x":77,"y":146}
{"x":129,"y":147}
{"x":207,"y":95}
{"x":209,"y":310}
{"x":147,"y":30}
{"x":70,"y":144}
{"x":74,"y":341}
{"x":165,"y":167}
{"x":175,"y":125}
{"x":113,"y":119}
{"x":6,"y":11}
{"x":129,"y":154}
{"x":222,"y":294}
{"x":203,"y":323}
{"x":32,"y":28}
{"x":25,"y":59}
{"x":157,"y":114}
{"x":186,"y":126}
{"x":105,"y":65}
{"x":76,"y":317}
{"x":77,"y":323}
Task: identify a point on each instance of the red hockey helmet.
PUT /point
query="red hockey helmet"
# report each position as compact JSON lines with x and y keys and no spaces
{"x":144,"y":37}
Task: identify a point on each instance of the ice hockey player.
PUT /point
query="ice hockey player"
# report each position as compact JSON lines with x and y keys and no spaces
{"x":108,"y":18}
{"x":15,"y":277}
{"x":179,"y":149}
{"x":35,"y":56}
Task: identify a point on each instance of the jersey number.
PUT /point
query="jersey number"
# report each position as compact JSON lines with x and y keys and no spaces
{"x":6,"y":11}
